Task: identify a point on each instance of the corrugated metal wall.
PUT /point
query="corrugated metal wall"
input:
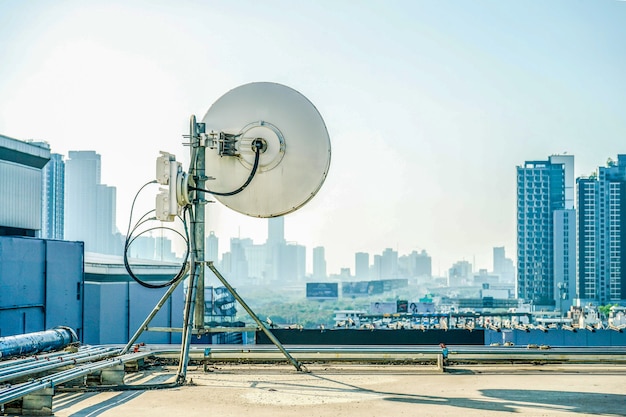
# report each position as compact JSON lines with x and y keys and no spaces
{"x":39,"y":281}
{"x":20,"y":196}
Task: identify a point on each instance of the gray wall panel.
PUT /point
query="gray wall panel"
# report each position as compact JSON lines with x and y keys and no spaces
{"x":142,"y":302}
{"x":20,"y":321}
{"x":64,"y":284}
{"x":176,"y":313}
{"x":34,"y":293}
{"x":20,"y":196}
{"x":21,"y":272}
{"x":113,"y":313}
{"x":115,"y":310}
{"x":91,"y":306}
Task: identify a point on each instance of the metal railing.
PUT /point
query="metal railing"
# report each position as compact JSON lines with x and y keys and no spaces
{"x":88,"y":360}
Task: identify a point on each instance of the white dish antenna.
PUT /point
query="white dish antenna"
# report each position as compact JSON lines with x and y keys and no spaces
{"x":294,"y":156}
{"x":263,"y":150}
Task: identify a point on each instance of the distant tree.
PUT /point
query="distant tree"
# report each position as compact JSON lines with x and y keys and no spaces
{"x":306,"y":313}
{"x":605,"y":310}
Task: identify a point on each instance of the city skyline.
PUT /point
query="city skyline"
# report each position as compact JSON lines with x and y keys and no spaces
{"x":84,"y":184}
{"x":430,"y":106}
{"x":546,"y":210}
{"x":547,"y":231}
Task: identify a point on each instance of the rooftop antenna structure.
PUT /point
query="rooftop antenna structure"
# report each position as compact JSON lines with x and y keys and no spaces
{"x":263,"y":150}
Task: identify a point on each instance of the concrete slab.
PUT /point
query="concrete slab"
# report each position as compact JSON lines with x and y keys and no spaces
{"x":363,"y":390}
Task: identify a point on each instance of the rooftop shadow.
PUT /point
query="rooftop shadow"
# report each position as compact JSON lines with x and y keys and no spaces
{"x":572,"y":402}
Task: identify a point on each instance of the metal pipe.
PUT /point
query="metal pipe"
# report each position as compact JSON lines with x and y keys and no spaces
{"x":30,"y":343}
{"x":11,"y":392}
{"x":34,"y":360}
{"x":29,"y":359}
{"x":376,"y":354}
{"x":54,"y":364}
{"x":17,"y":391}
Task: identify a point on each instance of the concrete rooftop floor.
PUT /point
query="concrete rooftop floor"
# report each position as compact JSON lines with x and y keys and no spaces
{"x":336,"y":390}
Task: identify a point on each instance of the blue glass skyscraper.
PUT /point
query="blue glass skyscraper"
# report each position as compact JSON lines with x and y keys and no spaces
{"x":546,"y":230}
{"x":601,"y":234}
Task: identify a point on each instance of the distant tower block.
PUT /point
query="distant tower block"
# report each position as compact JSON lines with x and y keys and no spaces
{"x":276,"y":230}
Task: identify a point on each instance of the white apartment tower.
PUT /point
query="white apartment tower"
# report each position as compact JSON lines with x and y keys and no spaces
{"x":89,"y":205}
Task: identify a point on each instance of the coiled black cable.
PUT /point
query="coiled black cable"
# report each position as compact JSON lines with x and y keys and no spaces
{"x":130,"y":238}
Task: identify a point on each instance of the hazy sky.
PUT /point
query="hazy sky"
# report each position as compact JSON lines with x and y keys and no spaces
{"x":430,"y":105}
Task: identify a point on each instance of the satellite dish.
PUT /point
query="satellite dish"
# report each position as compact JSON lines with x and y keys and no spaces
{"x":267,"y":148}
{"x":295,"y":154}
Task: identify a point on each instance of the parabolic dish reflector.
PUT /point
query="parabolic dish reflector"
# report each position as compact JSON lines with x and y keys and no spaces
{"x":294,"y":162}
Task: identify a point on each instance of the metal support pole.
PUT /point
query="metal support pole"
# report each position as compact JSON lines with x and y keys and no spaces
{"x":267,"y":332}
{"x":187,"y":325}
{"x":198,"y":223}
{"x":194,"y":305}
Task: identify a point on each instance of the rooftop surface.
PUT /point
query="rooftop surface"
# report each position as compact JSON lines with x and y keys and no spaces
{"x":363,"y":390}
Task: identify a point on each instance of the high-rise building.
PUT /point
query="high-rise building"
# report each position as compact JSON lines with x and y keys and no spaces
{"x":53,"y":210}
{"x":143,"y":247}
{"x":292,"y":267}
{"x":361,"y":265}
{"x":256,"y":256}
{"x":89,"y":205}
{"x":564,"y":247}
{"x":377,"y":267}
{"x":588,"y":239}
{"x":544,"y":190}
{"x":163,"y":249}
{"x":503,"y":266}
{"x":276,"y":230}
{"x":211,"y":247}
{"x":152,"y":248}
{"x":319,"y":263}
{"x":602,"y":234}
{"x":418,"y":264}
{"x":498,"y":259}
{"x":389,"y":264}
{"x":275,"y":248}
{"x":238,"y":265}
{"x":460,"y":273}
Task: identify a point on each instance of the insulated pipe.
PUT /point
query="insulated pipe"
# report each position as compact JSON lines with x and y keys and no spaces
{"x":43,"y":365}
{"x":30,"y":343}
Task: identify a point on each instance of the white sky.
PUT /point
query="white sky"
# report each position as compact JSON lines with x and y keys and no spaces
{"x":430,"y":105}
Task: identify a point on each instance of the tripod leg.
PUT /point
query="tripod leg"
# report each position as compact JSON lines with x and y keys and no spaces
{"x":148,"y":319}
{"x":267,"y":332}
{"x":187,"y":326}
